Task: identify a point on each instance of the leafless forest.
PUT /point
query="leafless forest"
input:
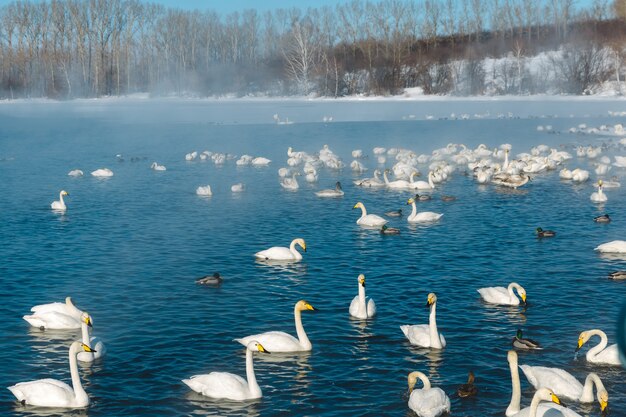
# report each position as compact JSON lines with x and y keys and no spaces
{"x":90,"y":48}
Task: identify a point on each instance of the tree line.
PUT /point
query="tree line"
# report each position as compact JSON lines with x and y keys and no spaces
{"x":92,"y":48}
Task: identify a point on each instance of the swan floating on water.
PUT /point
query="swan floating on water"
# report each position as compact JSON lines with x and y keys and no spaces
{"x":102,"y":173}
{"x":58,"y":316}
{"x":370,"y":220}
{"x":422,"y":185}
{"x":426,"y":335}
{"x":279,"y":253}
{"x":565,"y":385}
{"x":52,"y":392}
{"x":157,"y":167}
{"x":94,"y":342}
{"x":277,"y":341}
{"x":614,"y":246}
{"x":75,"y":173}
{"x":204,"y":191}
{"x":374,"y":182}
{"x":599,"y":353}
{"x":60,"y":204}
{"x":503,"y":296}
{"x":360,"y":307}
{"x":337,"y":192}
{"x":428,"y":401}
{"x":422,"y":217}
{"x":290,"y":183}
{"x":535,"y":409}
{"x":224,"y":385}
{"x":237,"y":188}
{"x":598,"y":196}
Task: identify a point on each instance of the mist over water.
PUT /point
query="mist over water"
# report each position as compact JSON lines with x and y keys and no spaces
{"x":130,"y":247}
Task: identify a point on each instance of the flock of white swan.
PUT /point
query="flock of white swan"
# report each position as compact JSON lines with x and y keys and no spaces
{"x":494,"y":166}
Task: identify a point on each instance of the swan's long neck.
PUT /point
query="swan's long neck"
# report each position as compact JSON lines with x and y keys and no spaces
{"x":61,"y":198}
{"x":302,"y":337}
{"x":424,"y":380}
{"x":534,"y":405}
{"x":70,"y":304}
{"x":435,"y":341}
{"x":511,"y":287}
{"x":506,"y":160}
{"x":253,"y":386}
{"x":385,"y":177}
{"x":363,"y":211}
{"x":592,"y":378}
{"x":600,"y":346}
{"x":376,"y":173}
{"x":294,"y":252}
{"x":431,"y":184}
{"x":413,"y":209}
{"x":86,"y":338}
{"x":80,"y":395}
{"x":599,"y":192}
{"x":362,"y":304}
{"x":411,"y":178}
{"x":516,"y":396}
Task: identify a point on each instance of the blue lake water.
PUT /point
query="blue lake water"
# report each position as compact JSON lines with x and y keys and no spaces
{"x":129,"y":249}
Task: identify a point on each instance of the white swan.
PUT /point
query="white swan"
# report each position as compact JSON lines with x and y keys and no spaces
{"x":230,"y":386}
{"x":102,"y":173}
{"x":52,"y":392}
{"x":360,"y":307}
{"x":374,"y":182}
{"x":290,"y":183}
{"x":60,"y":204}
{"x":614,"y":246}
{"x":395,"y":185}
{"x":598,"y":196}
{"x":503,"y":296}
{"x":59,"y":316}
{"x":204,"y":191}
{"x":371,"y":220}
{"x":426,"y":335}
{"x":237,"y":188}
{"x":337,"y":192}
{"x":422,"y":185}
{"x":422,"y":217}
{"x":284,"y":342}
{"x":565,"y":385}
{"x":260,"y":161}
{"x":535,"y":409}
{"x":280,"y":253}
{"x":157,"y":167}
{"x":427,"y":402}
{"x":600,"y":353}
{"x":75,"y":173}
{"x":94,"y":342}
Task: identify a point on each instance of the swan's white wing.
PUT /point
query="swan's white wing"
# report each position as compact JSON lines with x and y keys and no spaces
{"x":561,"y":382}
{"x":429,"y":402}
{"x":44,"y":392}
{"x":615,"y":246}
{"x":276,"y":253}
{"x":220,"y":385}
{"x":57,"y":307}
{"x":274,"y":341}
{"x":371,"y":308}
{"x":609,"y":356}
{"x":496,"y":295}
{"x":53,"y":320}
{"x":372,"y":220}
{"x":418,"y":334}
{"x":354,"y":306}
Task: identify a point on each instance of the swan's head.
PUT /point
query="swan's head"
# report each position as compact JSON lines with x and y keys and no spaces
{"x":583,"y":338}
{"x":362,"y":280}
{"x":603,"y":399}
{"x":413,"y":377}
{"x":600,"y":183}
{"x":358,"y":205}
{"x":86,"y":318}
{"x":412,"y":200}
{"x":87,"y":348}
{"x":301,"y":243}
{"x":64,"y":193}
{"x":255,"y":346}
{"x":547,"y":394}
{"x":432,"y":299}
{"x":304,"y":305}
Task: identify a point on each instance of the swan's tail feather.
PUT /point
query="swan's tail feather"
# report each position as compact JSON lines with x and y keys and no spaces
{"x":16,"y":392}
{"x":405,"y":329}
{"x":34,"y":321}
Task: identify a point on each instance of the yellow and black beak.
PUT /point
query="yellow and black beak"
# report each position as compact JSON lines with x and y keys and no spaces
{"x":556,"y":400}
{"x":310,"y":307}
{"x":262,"y":349}
{"x":355,"y":206}
{"x":429,"y":302}
{"x":87,"y":348}
{"x":581,"y":342}
{"x":603,"y":405}
{"x":524,"y":298}
{"x":88,"y":322}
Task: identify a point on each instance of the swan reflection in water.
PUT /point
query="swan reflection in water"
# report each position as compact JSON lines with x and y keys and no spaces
{"x":515,"y":314}
{"x":207,"y":406}
{"x":362,"y":342}
{"x":434,"y":357}
{"x":29,"y":410}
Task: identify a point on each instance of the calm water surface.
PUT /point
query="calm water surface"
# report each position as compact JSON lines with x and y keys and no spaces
{"x":130,"y":247}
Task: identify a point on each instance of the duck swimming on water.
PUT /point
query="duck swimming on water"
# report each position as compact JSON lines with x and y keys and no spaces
{"x":617,"y":275}
{"x":215,"y":279}
{"x":602,"y":219}
{"x":545,"y":233}
{"x":389,"y":230}
{"x":468,"y":389}
{"x":527,"y":344}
